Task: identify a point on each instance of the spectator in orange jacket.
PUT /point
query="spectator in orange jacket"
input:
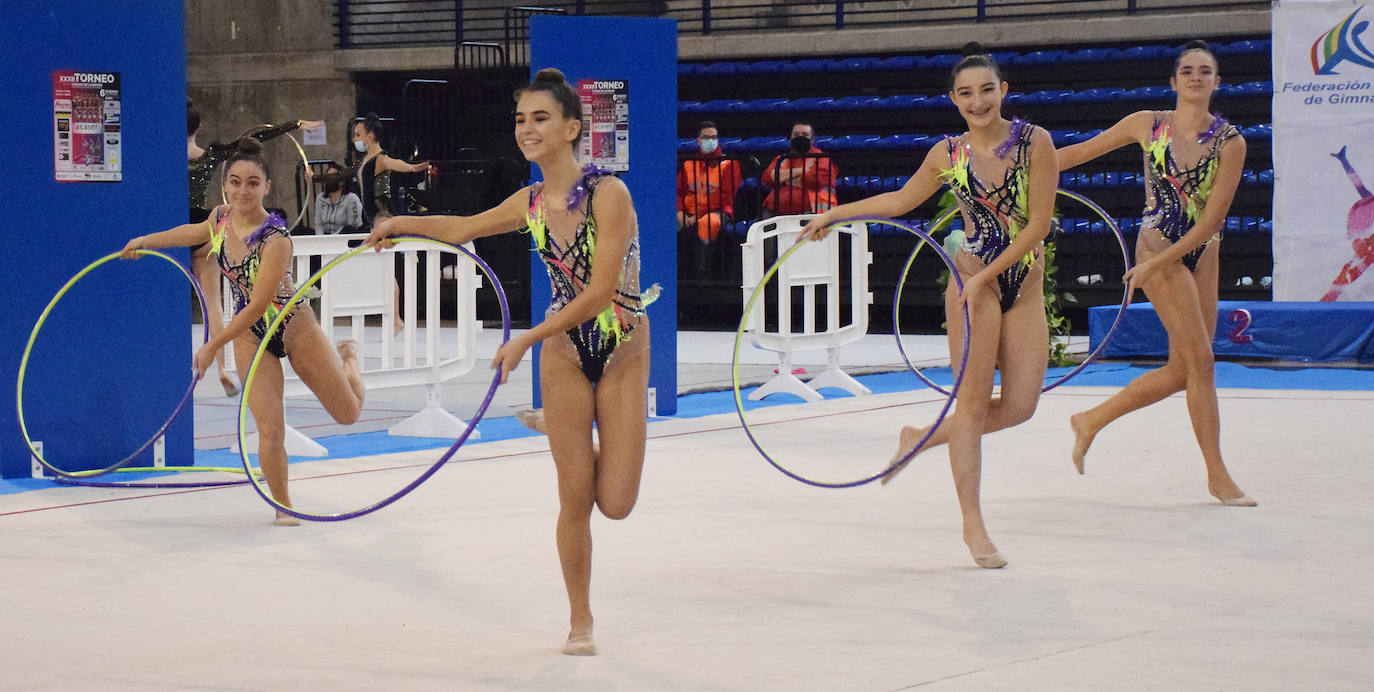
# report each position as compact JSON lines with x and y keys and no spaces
{"x":802,"y":181}
{"x":706,"y":186}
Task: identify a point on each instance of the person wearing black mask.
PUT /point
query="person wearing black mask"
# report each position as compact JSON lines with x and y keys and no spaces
{"x":801,"y":181}
{"x":337,"y":210}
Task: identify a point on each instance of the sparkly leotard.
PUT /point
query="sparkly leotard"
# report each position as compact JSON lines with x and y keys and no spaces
{"x":996,"y":214}
{"x":569,"y":263}
{"x":1176,"y":196}
{"x":201,"y":170}
{"x":244,"y":273}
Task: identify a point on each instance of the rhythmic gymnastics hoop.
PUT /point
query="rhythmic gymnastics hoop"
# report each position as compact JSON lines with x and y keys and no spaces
{"x":943,"y":221}
{"x":304,"y":160}
{"x":73,"y":477}
{"x":739,"y":340}
{"x":300,"y":294}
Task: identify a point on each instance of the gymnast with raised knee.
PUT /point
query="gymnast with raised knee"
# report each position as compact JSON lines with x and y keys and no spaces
{"x":1003,"y":174}
{"x":254,"y":254}
{"x":595,"y":335}
{"x":1193,"y":163}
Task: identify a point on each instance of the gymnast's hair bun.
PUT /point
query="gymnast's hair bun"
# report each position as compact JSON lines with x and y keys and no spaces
{"x":248,"y":145}
{"x":973,"y":48}
{"x":1196,"y":44}
{"x":548,"y":74}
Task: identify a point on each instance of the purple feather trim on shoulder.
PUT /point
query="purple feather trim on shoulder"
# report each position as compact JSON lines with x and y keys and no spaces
{"x":1218,"y":123}
{"x":273,"y":220}
{"x":579,"y":191}
{"x":1014,"y":136}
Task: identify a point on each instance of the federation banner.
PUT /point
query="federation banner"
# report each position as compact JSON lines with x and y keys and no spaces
{"x":1323,"y":150}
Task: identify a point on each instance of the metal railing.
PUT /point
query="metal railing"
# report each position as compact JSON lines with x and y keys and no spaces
{"x":377,"y":23}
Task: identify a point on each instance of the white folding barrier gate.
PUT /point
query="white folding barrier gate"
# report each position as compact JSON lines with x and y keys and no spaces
{"x":365,"y":285}
{"x":814,"y":265}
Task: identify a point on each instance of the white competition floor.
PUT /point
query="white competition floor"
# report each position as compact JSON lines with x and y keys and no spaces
{"x":728,"y":575}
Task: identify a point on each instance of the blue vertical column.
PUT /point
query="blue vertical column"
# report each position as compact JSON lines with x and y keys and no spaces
{"x":96,"y":396}
{"x":642,"y":51}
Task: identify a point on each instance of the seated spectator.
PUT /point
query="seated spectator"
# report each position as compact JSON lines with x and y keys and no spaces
{"x":801,"y":181}
{"x":337,"y":211}
{"x":706,"y":186}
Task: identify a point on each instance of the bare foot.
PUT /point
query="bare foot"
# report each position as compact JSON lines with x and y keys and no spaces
{"x":1231,"y":495}
{"x":580,"y":642}
{"x":347,"y":348}
{"x":905,"y":441}
{"x":533,"y":418}
{"x":230,"y":389}
{"x":284,"y":519}
{"x":1082,"y":439}
{"x":985,"y":553}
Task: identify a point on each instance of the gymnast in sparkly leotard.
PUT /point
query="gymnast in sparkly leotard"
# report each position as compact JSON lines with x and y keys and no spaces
{"x":995,"y":213}
{"x":1003,"y":174}
{"x":1193,"y":162}
{"x":254,"y":252}
{"x":593,"y":343}
{"x":202,"y":165}
{"x":594,"y":371}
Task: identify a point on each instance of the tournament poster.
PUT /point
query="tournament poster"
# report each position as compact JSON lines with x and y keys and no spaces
{"x":86,"y":126}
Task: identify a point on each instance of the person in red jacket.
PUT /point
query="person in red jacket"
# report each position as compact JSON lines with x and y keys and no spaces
{"x":802,"y":181}
{"x":706,"y":186}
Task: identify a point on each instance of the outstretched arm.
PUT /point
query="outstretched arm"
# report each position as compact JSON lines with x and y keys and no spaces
{"x":507,"y":216}
{"x":185,"y":235}
{"x":1134,"y":128}
{"x":922,"y":184}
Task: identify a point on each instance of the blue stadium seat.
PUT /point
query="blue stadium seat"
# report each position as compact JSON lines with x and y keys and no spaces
{"x":1013,"y":98}
{"x":1243,"y":48}
{"x":1063,"y":137}
{"x":686,"y":146}
{"x":774,"y":144}
{"x":1048,"y":97}
{"x":1147,"y":93}
{"x":762,"y":106}
{"x":1258,"y":133}
{"x":685,"y":69}
{"x":852,"y":103}
{"x":1248,"y":177}
{"x":902,"y":142}
{"x":720,"y":69}
{"x":1102,"y":95}
{"x":688,"y":107}
{"x":1265,"y":89}
{"x":1091,"y":55}
{"x":940,"y":62}
{"x":811,"y":65}
{"x":858,"y":64}
{"x":899,"y":102}
{"x":894,"y":182}
{"x":767,"y":67}
{"x":850,"y":142}
{"x":901,"y":62}
{"x":805,"y":105}
{"x":1039,"y":58}
{"x":720,"y":106}
{"x":1266,"y":177}
{"x":1148,"y":52}
{"x":1267,"y":226}
{"x":932,"y":103}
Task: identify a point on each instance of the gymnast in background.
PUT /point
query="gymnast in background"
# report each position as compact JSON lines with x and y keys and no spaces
{"x":1193,"y":163}
{"x":253,"y":251}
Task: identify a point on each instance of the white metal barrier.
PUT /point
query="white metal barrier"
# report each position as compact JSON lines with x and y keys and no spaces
{"x":365,"y":286}
{"x":814,"y":265}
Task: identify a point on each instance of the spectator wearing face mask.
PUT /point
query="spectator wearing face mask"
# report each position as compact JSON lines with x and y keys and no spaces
{"x":337,"y":211}
{"x":801,"y":181}
{"x":706,"y":186}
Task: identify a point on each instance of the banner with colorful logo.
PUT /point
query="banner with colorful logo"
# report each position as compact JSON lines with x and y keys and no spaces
{"x":1323,"y":150}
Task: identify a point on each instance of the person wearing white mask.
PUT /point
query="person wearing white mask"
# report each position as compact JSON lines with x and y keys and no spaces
{"x":706,"y":186}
